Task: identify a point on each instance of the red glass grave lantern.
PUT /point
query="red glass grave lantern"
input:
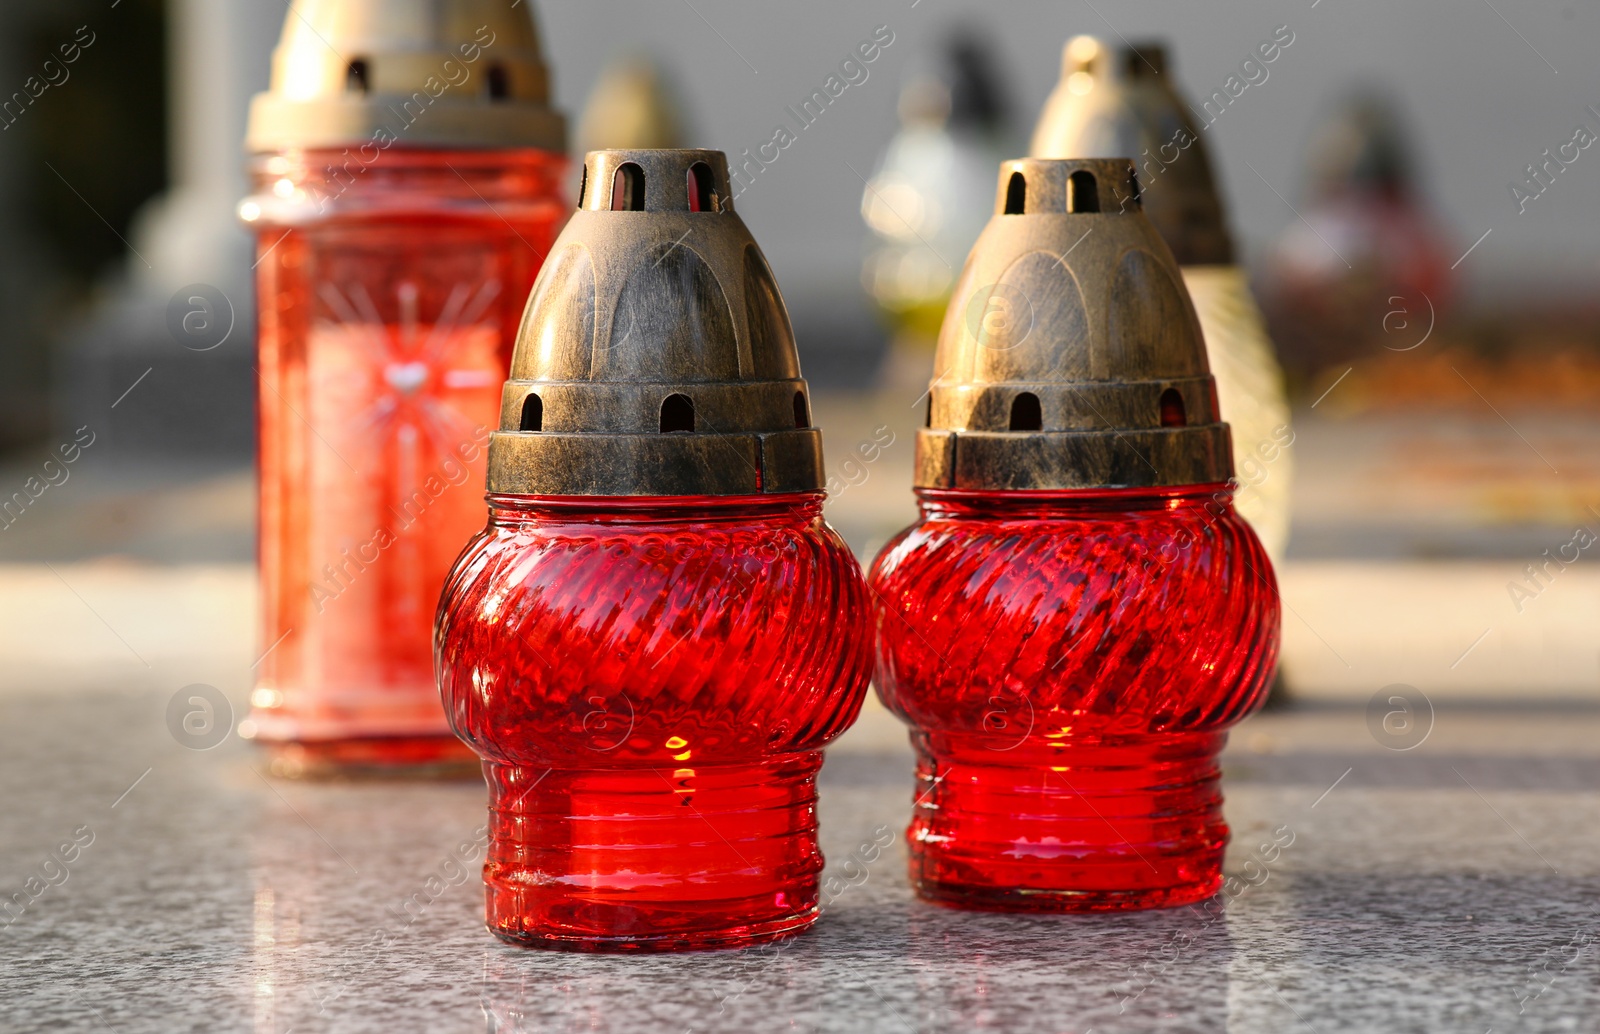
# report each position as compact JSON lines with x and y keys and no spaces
{"x":407,"y":170}
{"x":657,"y":633}
{"x":1079,"y":615}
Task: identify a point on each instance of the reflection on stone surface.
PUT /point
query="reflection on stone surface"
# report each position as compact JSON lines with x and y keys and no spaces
{"x":211,"y":900}
{"x":1163,"y":970}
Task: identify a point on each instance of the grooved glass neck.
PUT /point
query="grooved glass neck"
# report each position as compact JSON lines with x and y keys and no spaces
{"x":1044,"y":505}
{"x":519,"y":509}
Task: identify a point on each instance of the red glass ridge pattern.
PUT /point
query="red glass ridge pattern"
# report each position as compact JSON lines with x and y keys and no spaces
{"x":650,"y":683}
{"x":1069,"y":663}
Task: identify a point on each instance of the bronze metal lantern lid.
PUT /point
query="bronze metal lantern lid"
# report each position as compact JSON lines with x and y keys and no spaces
{"x":412,"y":73}
{"x":1070,"y":356}
{"x":655,"y":357}
{"x":1119,"y":102}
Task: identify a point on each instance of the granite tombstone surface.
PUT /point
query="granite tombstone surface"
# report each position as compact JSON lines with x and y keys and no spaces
{"x":154,"y":886}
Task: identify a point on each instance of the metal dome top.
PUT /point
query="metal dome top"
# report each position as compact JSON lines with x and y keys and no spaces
{"x":656,"y":356}
{"x":1119,"y":102}
{"x":411,"y":73}
{"x":1070,"y":356}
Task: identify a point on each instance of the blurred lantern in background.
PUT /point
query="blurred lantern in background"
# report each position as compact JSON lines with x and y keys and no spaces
{"x":634,"y":105}
{"x":657,"y":633}
{"x":1365,"y":248}
{"x":1119,"y":102}
{"x":923,"y":205}
{"x":407,"y":167}
{"x":1079,"y":616}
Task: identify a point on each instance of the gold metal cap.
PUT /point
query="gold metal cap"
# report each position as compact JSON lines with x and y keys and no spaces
{"x":1070,"y":356}
{"x":656,"y":356}
{"x":412,"y":73}
{"x":1119,"y":102}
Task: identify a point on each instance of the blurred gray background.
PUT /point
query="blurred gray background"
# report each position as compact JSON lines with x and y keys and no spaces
{"x":1425,"y":482}
{"x":140,"y":149}
{"x":1480,"y":101}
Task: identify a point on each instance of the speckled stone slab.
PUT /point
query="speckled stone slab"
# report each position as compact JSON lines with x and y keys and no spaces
{"x":1451,"y":887}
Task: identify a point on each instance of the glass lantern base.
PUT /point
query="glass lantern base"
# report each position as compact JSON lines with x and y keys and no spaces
{"x":991,"y":899}
{"x":652,"y":859}
{"x":745,"y":936}
{"x":375,"y":757}
{"x":1107,"y":827}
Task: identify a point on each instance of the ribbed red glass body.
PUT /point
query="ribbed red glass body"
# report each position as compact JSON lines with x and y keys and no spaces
{"x":650,"y":683}
{"x":389,"y":297}
{"x":1069,"y":663}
